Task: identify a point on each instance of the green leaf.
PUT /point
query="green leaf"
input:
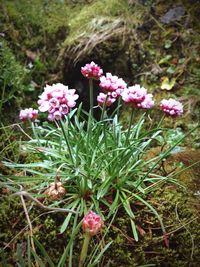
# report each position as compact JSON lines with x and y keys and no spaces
{"x":67,"y":219}
{"x":126,"y":204}
{"x":75,"y":231}
{"x":19,"y":256}
{"x":114,"y":205}
{"x":165,"y":60}
{"x":171,"y":69}
{"x":97,"y":259}
{"x":43,"y":251}
{"x":38,"y":259}
{"x":134,"y":230}
{"x":168,"y":44}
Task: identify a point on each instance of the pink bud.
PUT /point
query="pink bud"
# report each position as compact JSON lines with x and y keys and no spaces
{"x":28,"y":114}
{"x":92,"y":223}
{"x":109,"y":98}
{"x":92,"y":71}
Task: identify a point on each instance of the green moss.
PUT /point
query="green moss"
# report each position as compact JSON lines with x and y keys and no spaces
{"x":13,"y":76}
{"x":175,"y":206}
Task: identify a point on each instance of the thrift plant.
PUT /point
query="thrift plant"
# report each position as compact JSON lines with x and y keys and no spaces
{"x":95,"y":164}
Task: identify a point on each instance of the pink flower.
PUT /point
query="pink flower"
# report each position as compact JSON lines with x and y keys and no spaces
{"x":110,"y":98}
{"x":92,"y":71}
{"x":92,"y":223}
{"x":28,"y":114}
{"x":57,"y":100}
{"x":134,"y":94}
{"x":171,"y":107}
{"x":147,"y":103}
{"x":137,"y":97}
{"x":110,"y":83}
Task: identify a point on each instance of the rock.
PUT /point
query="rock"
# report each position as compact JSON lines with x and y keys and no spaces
{"x":173,"y":14}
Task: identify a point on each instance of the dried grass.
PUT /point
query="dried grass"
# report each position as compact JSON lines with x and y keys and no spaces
{"x":98,"y":23}
{"x":108,"y":29}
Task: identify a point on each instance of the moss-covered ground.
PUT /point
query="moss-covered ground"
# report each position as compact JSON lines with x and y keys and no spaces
{"x":180,"y":247}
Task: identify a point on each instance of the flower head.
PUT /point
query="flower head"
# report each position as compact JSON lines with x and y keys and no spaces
{"x":147,"y":103}
{"x":109,"y":98}
{"x":110,"y":83}
{"x":28,"y":114}
{"x":134,"y":94}
{"x":171,"y":107}
{"x":55,"y":191}
{"x":137,"y":97}
{"x":92,"y":71}
{"x":92,"y":223}
{"x":57,"y":99}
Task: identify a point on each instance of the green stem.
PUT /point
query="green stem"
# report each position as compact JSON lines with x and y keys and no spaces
{"x":66,"y":140}
{"x":104,"y":109}
{"x":35,"y":132}
{"x":161,"y":121}
{"x":91,"y":95}
{"x":84,"y":249}
{"x":118,"y":106}
{"x":130,"y":124}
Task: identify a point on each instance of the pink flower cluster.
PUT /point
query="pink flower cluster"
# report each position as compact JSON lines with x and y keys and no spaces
{"x":28,"y":114}
{"x":92,"y":71}
{"x":57,"y":100}
{"x":110,"y":83}
{"x":138,"y":97}
{"x":92,"y":223}
{"x":108,"y":98}
{"x":171,"y":107}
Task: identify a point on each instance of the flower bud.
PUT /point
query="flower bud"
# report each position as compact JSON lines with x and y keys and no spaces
{"x":92,"y":223}
{"x":92,"y":71}
{"x":28,"y":114}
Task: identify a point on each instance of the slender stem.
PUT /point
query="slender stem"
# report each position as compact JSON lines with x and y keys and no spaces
{"x":104,"y":135}
{"x":161,"y":121}
{"x":35,"y":132}
{"x":39,"y":204}
{"x":66,"y":140}
{"x":84,"y":249}
{"x":130,"y":124}
{"x":118,"y":106}
{"x":30,"y":226}
{"x":91,"y":95}
{"x":104,"y":109}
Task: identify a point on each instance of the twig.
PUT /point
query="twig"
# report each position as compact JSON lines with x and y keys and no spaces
{"x":26,"y":194}
{"x":30,"y":225}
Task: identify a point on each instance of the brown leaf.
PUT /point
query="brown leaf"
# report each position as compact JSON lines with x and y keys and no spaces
{"x":31,"y":55}
{"x":141,"y":230}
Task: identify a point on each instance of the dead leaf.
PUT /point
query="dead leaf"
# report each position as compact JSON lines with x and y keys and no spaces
{"x":167,"y":84}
